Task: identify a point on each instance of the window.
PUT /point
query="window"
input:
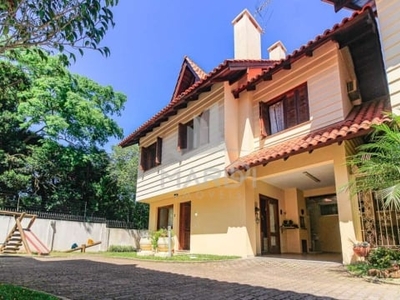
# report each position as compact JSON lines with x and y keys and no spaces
{"x":194,"y":133}
{"x":151,"y":155}
{"x":285,"y":111}
{"x":165,"y":217}
{"x":328,"y":209}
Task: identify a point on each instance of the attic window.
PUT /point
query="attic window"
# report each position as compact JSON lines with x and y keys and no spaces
{"x":151,"y":155}
{"x":285,"y":111}
{"x":194,"y":133}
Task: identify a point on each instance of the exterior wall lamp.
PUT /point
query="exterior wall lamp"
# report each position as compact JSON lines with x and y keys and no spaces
{"x":257,"y":214}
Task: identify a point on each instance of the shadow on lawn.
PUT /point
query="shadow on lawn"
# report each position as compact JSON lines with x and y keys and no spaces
{"x":86,"y":279}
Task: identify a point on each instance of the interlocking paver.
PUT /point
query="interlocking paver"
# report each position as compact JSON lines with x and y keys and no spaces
{"x":94,"y":277}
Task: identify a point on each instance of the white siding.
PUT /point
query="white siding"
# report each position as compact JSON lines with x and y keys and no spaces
{"x":321,"y":72}
{"x":204,"y":166}
{"x":180,"y":170}
{"x":388,"y":17}
{"x":324,"y":95}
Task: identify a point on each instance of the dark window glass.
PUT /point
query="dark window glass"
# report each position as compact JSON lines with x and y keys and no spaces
{"x":165,"y":217}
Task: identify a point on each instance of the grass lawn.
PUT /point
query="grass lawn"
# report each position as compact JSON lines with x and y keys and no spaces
{"x":178,"y":258}
{"x":13,"y":292}
{"x":133,"y":255}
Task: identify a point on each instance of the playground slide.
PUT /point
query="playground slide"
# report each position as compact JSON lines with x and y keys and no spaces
{"x":35,"y":244}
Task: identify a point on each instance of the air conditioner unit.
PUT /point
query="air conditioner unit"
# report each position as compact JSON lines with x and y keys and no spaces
{"x":353,"y":92}
{"x":351,"y":86}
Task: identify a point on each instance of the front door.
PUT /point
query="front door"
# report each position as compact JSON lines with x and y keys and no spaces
{"x":270,"y":241}
{"x":184,"y":226}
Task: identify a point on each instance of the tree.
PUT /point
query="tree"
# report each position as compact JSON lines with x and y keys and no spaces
{"x":13,"y":174}
{"x":52,"y":124}
{"x":63,"y":25}
{"x":64,"y":178}
{"x":376,"y":163}
{"x":66,"y":107}
{"x":122,"y":174}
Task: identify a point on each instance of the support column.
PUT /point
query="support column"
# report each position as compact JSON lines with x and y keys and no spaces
{"x":251,"y":201}
{"x":345,"y":207}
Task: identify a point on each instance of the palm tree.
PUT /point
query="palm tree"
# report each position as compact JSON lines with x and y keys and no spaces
{"x":377,"y":163}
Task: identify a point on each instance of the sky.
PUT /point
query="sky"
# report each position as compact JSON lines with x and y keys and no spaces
{"x":151,"y":38}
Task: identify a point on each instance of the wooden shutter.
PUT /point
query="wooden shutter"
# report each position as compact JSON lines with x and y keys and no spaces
{"x":182,"y":137}
{"x":143,"y":159}
{"x":290,"y":110}
{"x":303,"y":108}
{"x":204,"y":127}
{"x":158,"y":151}
{"x":264,"y":119}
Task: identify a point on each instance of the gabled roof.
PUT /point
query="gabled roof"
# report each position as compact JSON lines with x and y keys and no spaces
{"x":357,"y":123}
{"x":190,"y":73}
{"x":199,"y":72}
{"x":307,"y":49}
{"x":230,"y":70}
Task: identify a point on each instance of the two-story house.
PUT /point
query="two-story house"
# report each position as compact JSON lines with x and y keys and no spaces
{"x":250,"y":158}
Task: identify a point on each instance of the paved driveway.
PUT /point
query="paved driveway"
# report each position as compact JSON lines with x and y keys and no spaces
{"x":93,"y":277}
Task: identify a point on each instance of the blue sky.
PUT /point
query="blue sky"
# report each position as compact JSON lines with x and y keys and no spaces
{"x":151,"y":38}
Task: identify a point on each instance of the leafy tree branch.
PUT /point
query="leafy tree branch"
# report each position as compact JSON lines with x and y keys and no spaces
{"x":63,"y":25}
{"x":376,"y":164}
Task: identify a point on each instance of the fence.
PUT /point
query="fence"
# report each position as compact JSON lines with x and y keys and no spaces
{"x":58,"y":231}
{"x":77,"y":218}
{"x":380,"y":225}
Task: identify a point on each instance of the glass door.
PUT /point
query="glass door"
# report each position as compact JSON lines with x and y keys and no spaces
{"x":270,"y":239}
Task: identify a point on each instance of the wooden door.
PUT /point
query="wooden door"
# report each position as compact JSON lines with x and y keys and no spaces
{"x":184,"y":226}
{"x":269,"y":225}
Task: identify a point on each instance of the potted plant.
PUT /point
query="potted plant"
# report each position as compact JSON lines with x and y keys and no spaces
{"x":159,"y":240}
{"x":361,"y":249}
{"x":154,"y":236}
{"x":145,"y":243}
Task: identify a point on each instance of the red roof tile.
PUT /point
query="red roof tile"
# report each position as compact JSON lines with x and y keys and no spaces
{"x":357,"y":123}
{"x":197,"y":87}
{"x":307,"y":48}
{"x":189,"y":73}
{"x":196,"y":68}
{"x":269,"y":66}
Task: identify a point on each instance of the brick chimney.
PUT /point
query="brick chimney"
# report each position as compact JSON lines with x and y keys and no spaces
{"x":277,"y":51}
{"x":247,"y":36}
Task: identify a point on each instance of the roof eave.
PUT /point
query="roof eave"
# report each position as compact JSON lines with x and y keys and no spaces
{"x":306,"y":50}
{"x":340,"y":4}
{"x":356,"y":124}
{"x":310,"y":148}
{"x":192,"y":94}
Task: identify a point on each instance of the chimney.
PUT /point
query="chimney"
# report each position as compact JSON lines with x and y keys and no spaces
{"x":277,"y":51}
{"x":247,"y":36}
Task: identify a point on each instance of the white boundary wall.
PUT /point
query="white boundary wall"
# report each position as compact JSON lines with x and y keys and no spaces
{"x":59,"y":235}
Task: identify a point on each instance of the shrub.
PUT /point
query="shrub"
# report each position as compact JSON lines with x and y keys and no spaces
{"x":155,"y":236}
{"x":382,"y":258}
{"x":359,"y":268}
{"x":118,"y":248}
